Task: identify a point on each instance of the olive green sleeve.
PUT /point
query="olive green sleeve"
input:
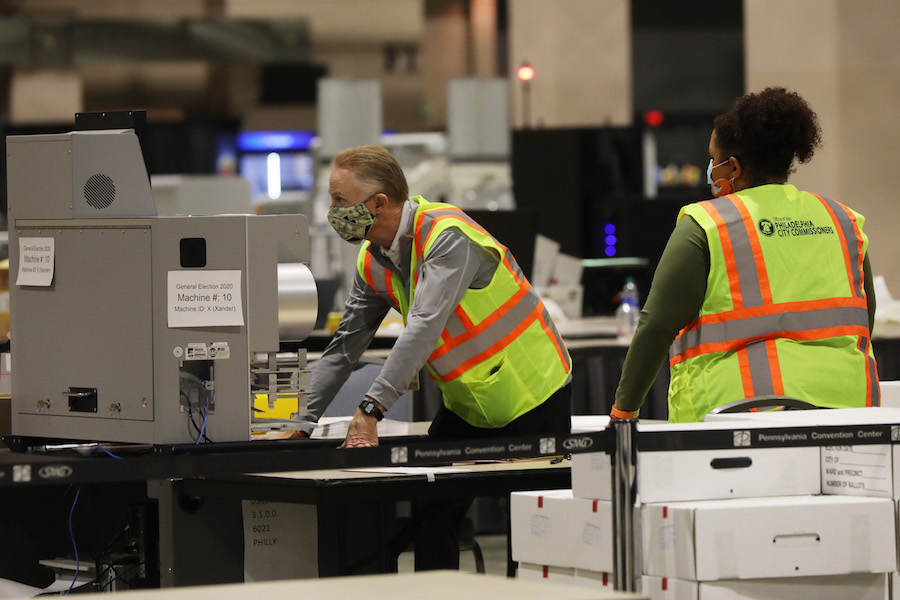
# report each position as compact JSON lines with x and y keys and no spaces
{"x":675,"y":298}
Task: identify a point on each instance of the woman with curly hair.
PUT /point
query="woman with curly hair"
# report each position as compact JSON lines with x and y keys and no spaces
{"x":765,"y":290}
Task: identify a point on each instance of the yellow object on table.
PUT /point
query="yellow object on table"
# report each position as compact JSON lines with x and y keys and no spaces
{"x":332,"y":321}
{"x":283,"y":408}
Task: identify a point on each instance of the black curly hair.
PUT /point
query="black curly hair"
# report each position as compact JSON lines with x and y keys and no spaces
{"x":766,"y":130}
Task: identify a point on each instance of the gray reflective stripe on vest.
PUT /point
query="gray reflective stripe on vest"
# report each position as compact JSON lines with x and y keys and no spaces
{"x":493,"y":334}
{"x":873,"y":372}
{"x":751,"y":293}
{"x":846,"y":225}
{"x":760,"y":370}
{"x":455,"y":325}
{"x":756,"y":327}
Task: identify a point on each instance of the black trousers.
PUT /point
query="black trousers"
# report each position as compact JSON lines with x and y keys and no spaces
{"x":437,"y":521}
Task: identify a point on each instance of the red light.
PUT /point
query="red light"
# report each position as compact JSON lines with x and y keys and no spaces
{"x":653,"y":118}
{"x":526,"y":73}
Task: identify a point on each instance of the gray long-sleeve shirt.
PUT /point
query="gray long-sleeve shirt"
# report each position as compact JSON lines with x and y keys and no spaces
{"x":453,"y":265}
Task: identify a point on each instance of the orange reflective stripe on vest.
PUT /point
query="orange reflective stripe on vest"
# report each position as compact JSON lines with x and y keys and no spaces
{"x":388,"y":280}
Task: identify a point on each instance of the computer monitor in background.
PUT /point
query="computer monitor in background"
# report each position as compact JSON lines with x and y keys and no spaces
{"x":278,"y":164}
{"x":515,"y":229}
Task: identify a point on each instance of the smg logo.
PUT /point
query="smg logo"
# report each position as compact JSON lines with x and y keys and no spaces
{"x":577,"y":443}
{"x":55,"y":471}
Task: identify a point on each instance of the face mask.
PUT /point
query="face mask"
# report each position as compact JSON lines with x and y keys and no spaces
{"x":352,"y":222}
{"x":726,"y":185}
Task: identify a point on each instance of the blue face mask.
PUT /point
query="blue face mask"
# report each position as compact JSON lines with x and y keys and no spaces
{"x":710,"y":168}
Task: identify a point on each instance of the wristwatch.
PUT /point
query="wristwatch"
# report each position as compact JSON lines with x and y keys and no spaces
{"x":371,"y":409}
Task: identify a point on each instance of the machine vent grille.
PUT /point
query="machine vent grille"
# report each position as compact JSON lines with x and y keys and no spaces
{"x":99,"y":191}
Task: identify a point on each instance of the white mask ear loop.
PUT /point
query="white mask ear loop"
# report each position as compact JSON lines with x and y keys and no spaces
{"x":710,"y":168}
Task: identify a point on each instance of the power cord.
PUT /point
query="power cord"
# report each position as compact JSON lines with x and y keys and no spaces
{"x":72,"y":512}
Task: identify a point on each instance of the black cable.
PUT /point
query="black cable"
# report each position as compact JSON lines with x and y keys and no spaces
{"x":119,"y":574}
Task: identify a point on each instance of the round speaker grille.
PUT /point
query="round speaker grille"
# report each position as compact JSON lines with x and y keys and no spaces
{"x":99,"y":191}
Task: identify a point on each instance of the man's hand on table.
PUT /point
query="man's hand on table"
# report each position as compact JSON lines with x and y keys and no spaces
{"x":362,"y":431}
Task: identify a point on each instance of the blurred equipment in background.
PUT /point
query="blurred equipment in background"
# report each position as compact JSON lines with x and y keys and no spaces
{"x":200,"y":195}
{"x":478,"y":144}
{"x":588,"y":187}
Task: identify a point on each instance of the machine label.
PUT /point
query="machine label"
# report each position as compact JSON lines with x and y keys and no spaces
{"x":36,"y":260}
{"x":219,"y":350}
{"x":205,"y":298}
{"x":55,"y":471}
{"x":196,"y":351}
{"x":21,"y":473}
{"x":280,"y":540}
{"x":202,"y":351}
{"x":858,"y":470}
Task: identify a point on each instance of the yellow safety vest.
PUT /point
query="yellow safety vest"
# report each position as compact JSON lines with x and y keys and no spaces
{"x":500,"y":354}
{"x":785,"y":308}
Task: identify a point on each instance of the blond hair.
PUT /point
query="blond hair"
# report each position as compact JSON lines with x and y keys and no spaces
{"x":375,"y":166}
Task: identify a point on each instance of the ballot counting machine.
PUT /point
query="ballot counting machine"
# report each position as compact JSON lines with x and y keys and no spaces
{"x":131,"y":327}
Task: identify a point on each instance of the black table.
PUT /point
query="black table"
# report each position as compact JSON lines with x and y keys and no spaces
{"x":202,"y":535}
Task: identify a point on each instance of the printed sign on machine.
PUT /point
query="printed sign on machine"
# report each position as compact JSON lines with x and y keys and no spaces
{"x":204,"y":298}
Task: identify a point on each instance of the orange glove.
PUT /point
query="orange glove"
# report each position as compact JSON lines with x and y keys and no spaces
{"x":615,"y":413}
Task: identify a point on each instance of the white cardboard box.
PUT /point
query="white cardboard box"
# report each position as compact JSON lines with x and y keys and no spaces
{"x":857,"y":470}
{"x":821,"y":416}
{"x":857,"y":586}
{"x":852,"y":470}
{"x":890,"y":394}
{"x":554,"y":528}
{"x":595,"y":579}
{"x":769,"y":537}
{"x":587,"y":423}
{"x":580,"y":577}
{"x":546,"y":573}
{"x":704,"y":474}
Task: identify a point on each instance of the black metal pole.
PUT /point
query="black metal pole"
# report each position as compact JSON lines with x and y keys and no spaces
{"x":624,"y":493}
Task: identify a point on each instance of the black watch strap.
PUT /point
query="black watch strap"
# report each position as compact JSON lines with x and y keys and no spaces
{"x":371,"y":409}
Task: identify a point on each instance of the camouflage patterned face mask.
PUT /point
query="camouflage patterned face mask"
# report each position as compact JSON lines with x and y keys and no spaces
{"x":352,"y":222}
